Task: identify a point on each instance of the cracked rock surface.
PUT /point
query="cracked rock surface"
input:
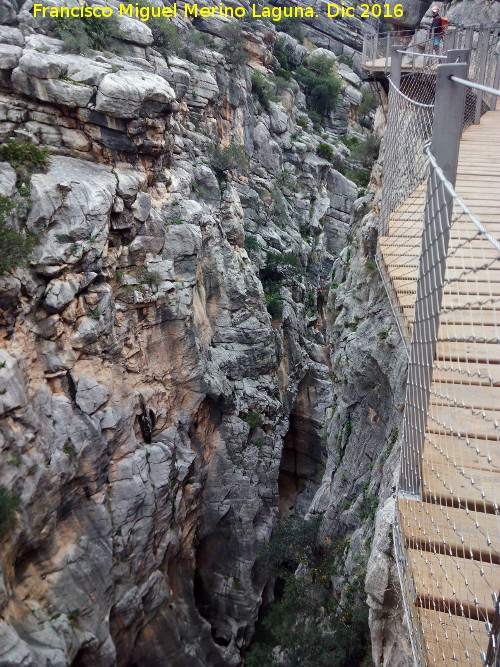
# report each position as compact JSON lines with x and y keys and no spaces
{"x":153,"y":407}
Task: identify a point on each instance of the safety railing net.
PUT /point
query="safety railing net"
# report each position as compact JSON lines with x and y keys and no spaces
{"x":450,"y":538}
{"x":447,"y":536}
{"x":409,"y":123}
{"x":482,"y":69}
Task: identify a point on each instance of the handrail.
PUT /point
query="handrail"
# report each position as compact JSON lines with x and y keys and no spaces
{"x":447,"y":186}
{"x":416,"y":53}
{"x":477,"y":86}
{"x":440,"y":267}
{"x":417,"y":104}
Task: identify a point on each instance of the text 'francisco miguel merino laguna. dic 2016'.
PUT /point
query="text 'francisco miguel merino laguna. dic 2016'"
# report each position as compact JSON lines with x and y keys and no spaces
{"x":144,"y":13}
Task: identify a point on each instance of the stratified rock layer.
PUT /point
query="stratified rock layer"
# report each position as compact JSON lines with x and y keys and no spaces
{"x":154,"y":419}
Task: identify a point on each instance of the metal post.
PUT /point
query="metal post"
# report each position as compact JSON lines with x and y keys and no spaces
{"x":483,"y":56}
{"x":449,"y":40}
{"x":396,"y":61}
{"x":458,"y":56}
{"x":496,"y":83}
{"x":387,"y":51}
{"x":375,"y":48}
{"x":446,"y":132}
{"x":468,"y":37}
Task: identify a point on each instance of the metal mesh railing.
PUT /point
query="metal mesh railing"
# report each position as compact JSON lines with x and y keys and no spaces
{"x":452,"y":534}
{"x":441,"y":265}
{"x":483,"y":70}
{"x":409,"y":122}
{"x":377,"y":48}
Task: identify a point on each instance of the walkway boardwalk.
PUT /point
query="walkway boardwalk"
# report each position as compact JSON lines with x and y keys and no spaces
{"x":452,"y":538}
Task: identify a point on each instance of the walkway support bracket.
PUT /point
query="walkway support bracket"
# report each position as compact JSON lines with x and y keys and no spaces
{"x":445,"y":144}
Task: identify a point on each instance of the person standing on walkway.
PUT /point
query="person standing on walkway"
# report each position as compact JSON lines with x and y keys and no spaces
{"x":436,"y":28}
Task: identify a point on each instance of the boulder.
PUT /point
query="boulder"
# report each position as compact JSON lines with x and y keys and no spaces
{"x":279,"y":119}
{"x":11,"y":36}
{"x":8,"y":179}
{"x":71,"y":203}
{"x":90,"y":395}
{"x":9,"y":56}
{"x":124,"y":94}
{"x":51,"y":89}
{"x":135,"y":31}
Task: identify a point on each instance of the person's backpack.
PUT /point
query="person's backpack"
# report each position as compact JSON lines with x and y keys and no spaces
{"x":444,"y":23}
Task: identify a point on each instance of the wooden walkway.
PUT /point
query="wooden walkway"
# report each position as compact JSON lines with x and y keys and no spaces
{"x":383,"y":65}
{"x":452,"y":538}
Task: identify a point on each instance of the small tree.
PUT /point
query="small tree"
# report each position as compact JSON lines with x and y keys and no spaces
{"x":262,"y":90}
{"x":16,"y":247}
{"x":80,"y":35}
{"x":321,"y":86}
{"x":227,"y":158}
{"x":166,"y":38}
{"x":234,"y":48}
{"x":325,"y":151}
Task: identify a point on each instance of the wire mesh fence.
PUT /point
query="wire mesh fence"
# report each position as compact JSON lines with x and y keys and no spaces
{"x":483,"y":69}
{"x":409,"y":123}
{"x":441,"y":266}
{"x":451,"y":535}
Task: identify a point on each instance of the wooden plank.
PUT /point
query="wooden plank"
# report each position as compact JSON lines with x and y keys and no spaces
{"x":453,"y":640}
{"x":468,"y":257}
{"x":444,"y":483}
{"x":463,"y":423}
{"x":481,"y":352}
{"x":442,"y":447}
{"x":465,"y":396}
{"x":481,"y":289}
{"x":451,"y":583}
{"x":470,"y":373}
{"x":411,"y":246}
{"x":447,"y":530}
{"x":453,"y":274}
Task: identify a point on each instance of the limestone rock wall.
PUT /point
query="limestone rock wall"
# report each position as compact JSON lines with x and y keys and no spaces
{"x":154,"y":418}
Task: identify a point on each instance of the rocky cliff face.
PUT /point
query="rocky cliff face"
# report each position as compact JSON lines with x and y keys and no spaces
{"x":175,"y":345}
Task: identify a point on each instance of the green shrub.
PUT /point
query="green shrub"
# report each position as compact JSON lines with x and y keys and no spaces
{"x":345,"y":59}
{"x":251,"y":243}
{"x":147,"y":277}
{"x":196,"y":40}
{"x":366,"y":106}
{"x":291,"y":27}
{"x":367,"y":152}
{"x":325,"y":151}
{"x":350,"y":142}
{"x":166,"y":38}
{"x":8,"y":506}
{"x":282,"y":55}
{"x":253,"y":419}
{"x":316,"y":119}
{"x":292,"y":542}
{"x":307,"y":619}
{"x":235,"y":46}
{"x":227,"y":158}
{"x":25,"y":158}
{"x":280,"y":266}
{"x":302,"y":122}
{"x":83,"y":34}
{"x":262,"y":90}
{"x":16,"y":248}
{"x":320,"y":84}
{"x":359,"y":176}
{"x":274,"y":305}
